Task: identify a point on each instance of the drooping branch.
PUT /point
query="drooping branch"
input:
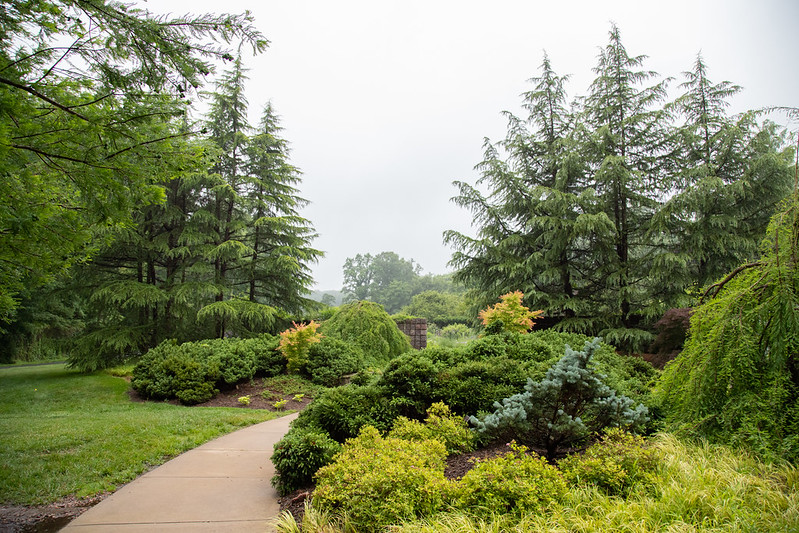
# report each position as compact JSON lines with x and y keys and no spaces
{"x":41,"y":96}
{"x":720,"y":285}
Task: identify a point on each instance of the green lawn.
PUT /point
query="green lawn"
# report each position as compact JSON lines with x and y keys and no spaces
{"x":64,"y":433}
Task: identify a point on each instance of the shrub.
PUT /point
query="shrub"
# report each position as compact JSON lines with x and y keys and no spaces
{"x":377,"y":482}
{"x":298,"y":455}
{"x":176,"y":371}
{"x":368,"y":326}
{"x":439,"y":425}
{"x":269,"y":361}
{"x":235,"y":358}
{"x":295,"y":343}
{"x":475,"y":385}
{"x":515,"y":483}
{"x":456,"y":331}
{"x":411,"y":377}
{"x":569,"y":405}
{"x":615,"y":463}
{"x":515,"y":317}
{"x":331,"y":359}
{"x":341,"y":412}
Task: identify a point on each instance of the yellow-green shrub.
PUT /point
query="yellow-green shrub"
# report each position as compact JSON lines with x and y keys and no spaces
{"x":515,"y":483}
{"x":440,"y":425}
{"x":615,"y":463}
{"x":380,"y":481}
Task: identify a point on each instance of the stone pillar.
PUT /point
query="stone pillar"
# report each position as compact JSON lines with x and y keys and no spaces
{"x":416,"y":329}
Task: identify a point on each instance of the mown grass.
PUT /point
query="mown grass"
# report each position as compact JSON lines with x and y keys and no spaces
{"x":63,"y":433}
{"x":699,"y":489}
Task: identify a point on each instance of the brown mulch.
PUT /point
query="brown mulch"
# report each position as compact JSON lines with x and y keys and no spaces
{"x":44,"y":518}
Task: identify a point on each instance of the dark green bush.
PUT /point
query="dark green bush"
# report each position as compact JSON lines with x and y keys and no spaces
{"x":298,"y":455}
{"x":269,"y":361}
{"x":341,"y":412}
{"x":377,"y":482}
{"x":173,"y":371}
{"x":475,"y":385}
{"x":330,"y":359}
{"x":368,"y":326}
{"x":235,"y":358}
{"x":412,"y":378}
{"x":516,"y":483}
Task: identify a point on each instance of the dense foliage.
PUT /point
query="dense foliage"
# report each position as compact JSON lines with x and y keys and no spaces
{"x":570,"y":405}
{"x":298,"y":456}
{"x":368,"y":326}
{"x":605,"y":212}
{"x":737,"y":380}
{"x":192,"y":372}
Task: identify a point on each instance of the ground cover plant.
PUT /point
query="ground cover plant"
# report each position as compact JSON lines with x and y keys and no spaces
{"x":68,"y":434}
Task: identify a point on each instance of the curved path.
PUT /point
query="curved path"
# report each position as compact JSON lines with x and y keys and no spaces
{"x":223,"y":485}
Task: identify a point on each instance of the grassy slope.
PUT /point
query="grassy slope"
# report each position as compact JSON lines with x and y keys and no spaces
{"x":63,"y":433}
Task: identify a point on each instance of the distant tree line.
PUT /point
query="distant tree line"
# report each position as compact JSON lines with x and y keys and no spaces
{"x":612,"y":208}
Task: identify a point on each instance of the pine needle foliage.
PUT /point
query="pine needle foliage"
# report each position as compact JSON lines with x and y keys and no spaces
{"x":737,"y":379}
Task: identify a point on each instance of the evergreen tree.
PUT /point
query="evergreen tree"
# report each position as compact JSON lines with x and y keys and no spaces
{"x":625,"y":137}
{"x":728,"y":179}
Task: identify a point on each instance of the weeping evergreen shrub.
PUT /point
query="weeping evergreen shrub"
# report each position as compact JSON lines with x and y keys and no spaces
{"x":368,"y":326}
{"x":737,"y":379}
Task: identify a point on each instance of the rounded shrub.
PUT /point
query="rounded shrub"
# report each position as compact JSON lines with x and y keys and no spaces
{"x":440,"y":425}
{"x":410,"y":377}
{"x":269,"y":361}
{"x":330,"y":359}
{"x":615,"y":463}
{"x":342,"y":411}
{"x":380,"y":481}
{"x":474,"y":386}
{"x":515,"y":483}
{"x":173,"y":371}
{"x":298,"y":455}
{"x":368,"y":326}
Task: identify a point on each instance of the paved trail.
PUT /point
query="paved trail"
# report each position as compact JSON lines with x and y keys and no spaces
{"x":224,"y":485}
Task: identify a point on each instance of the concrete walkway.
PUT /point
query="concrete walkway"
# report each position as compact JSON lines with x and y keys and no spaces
{"x":224,"y":485}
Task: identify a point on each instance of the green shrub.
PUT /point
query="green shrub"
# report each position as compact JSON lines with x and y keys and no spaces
{"x":368,"y":326}
{"x":440,"y":425}
{"x":515,"y":483}
{"x":475,"y":385}
{"x":412,"y":378}
{"x":298,"y":455}
{"x":331,"y":359}
{"x":341,"y":412}
{"x":172,"y":371}
{"x":235,"y":358}
{"x":567,"y":407}
{"x":456,"y":331}
{"x":269,"y":361}
{"x":367,"y":376}
{"x":377,"y":482}
{"x":615,"y":463}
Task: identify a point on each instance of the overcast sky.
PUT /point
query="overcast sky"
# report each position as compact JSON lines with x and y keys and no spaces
{"x":386,"y":103}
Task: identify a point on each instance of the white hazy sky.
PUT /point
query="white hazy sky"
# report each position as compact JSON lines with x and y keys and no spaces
{"x":386,"y":103}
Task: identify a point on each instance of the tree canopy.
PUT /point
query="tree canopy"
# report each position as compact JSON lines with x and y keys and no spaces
{"x":89,"y":94}
{"x":608,"y":211}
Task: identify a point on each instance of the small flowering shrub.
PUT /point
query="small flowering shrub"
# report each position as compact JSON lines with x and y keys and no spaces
{"x":515,"y":317}
{"x":380,"y":481}
{"x":516,"y":483}
{"x":615,"y":463}
{"x":298,"y":455}
{"x":244,"y":400}
{"x":295,"y":343}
